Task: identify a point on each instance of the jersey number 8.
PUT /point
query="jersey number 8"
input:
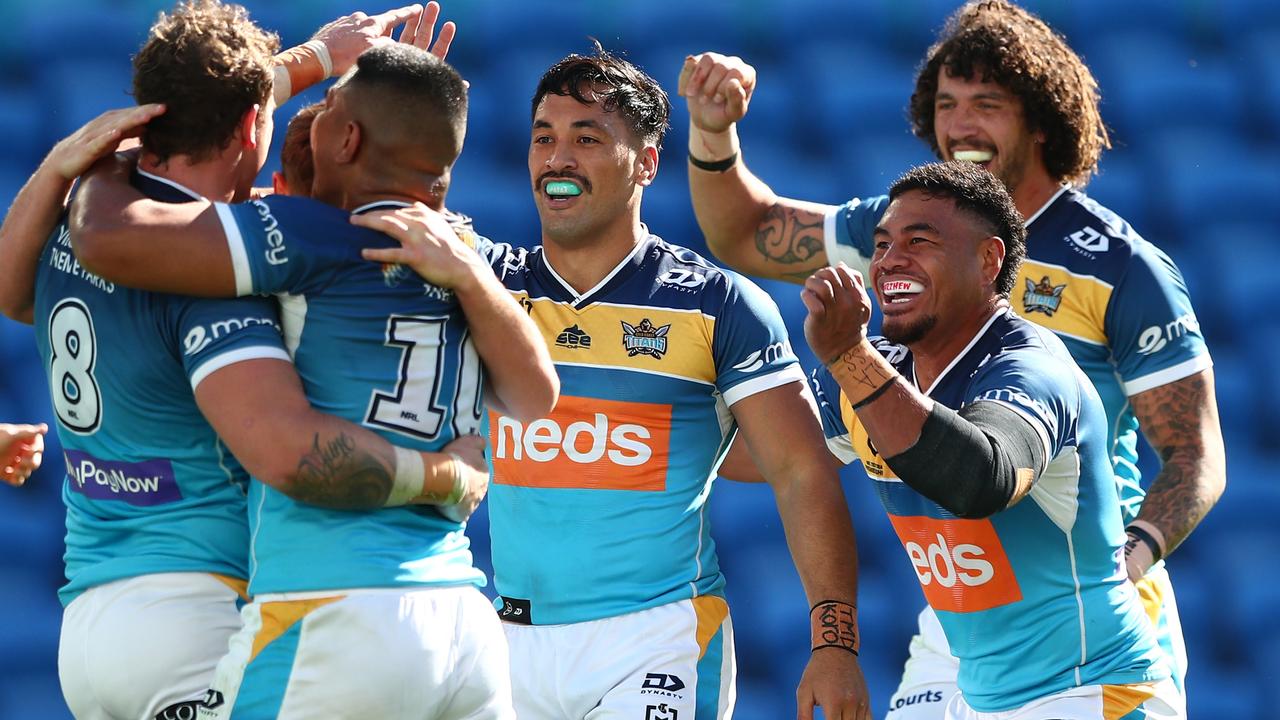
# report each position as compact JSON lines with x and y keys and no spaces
{"x":74,"y":351}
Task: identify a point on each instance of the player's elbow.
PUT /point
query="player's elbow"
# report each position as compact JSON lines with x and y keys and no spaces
{"x":92,"y":243}
{"x":535,"y":397}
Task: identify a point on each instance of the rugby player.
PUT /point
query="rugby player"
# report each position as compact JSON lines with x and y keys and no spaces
{"x":610,"y":590}
{"x":989,"y":449}
{"x":373,"y":614}
{"x":157,"y":532}
{"x":1001,"y":89}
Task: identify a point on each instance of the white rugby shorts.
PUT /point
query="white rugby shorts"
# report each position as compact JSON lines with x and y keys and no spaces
{"x":671,"y":662}
{"x":146,"y":647}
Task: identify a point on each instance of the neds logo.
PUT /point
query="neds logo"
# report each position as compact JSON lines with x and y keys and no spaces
{"x":586,"y":444}
{"x":961,"y":564}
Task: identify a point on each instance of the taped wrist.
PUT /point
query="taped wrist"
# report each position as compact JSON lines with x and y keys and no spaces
{"x":411,"y":474}
{"x":970,"y":462}
{"x":833,"y":623}
{"x":298,"y":68}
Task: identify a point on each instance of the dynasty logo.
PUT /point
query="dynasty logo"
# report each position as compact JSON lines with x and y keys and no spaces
{"x":645,"y":339}
{"x":573,"y":337}
{"x":1042,"y":297}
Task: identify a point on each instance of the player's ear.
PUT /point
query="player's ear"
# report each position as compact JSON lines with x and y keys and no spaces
{"x":350,"y":147}
{"x":248,"y":127}
{"x":646,"y":168}
{"x":278,"y":184}
{"x":993,"y":252}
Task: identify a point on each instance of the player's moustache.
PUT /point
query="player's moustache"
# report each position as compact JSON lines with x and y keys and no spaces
{"x":552,"y":175}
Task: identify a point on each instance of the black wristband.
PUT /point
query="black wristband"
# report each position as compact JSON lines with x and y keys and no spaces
{"x":1145,"y":537}
{"x":875,"y":395}
{"x":716,"y":166}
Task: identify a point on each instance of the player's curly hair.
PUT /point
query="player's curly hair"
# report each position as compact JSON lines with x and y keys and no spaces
{"x":978,"y":192}
{"x":296,"y":161}
{"x":208,"y":63}
{"x":616,"y":84}
{"x":1017,"y":50}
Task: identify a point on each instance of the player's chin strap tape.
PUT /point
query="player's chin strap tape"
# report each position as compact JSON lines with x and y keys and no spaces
{"x":969,"y":462}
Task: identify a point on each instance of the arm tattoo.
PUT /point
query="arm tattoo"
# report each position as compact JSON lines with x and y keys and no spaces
{"x":338,"y":474}
{"x":790,"y":236}
{"x":1180,"y":420}
{"x":865,"y":370}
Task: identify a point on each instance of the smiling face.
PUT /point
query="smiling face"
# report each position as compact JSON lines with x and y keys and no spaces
{"x":587,"y":168}
{"x":983,"y":122}
{"x":933,"y":268}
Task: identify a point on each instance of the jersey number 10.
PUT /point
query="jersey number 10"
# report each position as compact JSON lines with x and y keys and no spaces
{"x":424,"y":398}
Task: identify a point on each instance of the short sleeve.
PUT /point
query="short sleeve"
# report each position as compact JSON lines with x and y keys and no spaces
{"x":1043,"y":389}
{"x":751,"y":349}
{"x":848,"y":229}
{"x":826,"y":391}
{"x":1154,"y":334}
{"x":278,"y":244}
{"x":219,"y":333}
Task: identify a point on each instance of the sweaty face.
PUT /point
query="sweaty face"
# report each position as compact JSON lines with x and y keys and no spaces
{"x":927,"y":269}
{"x":983,"y":122}
{"x":582,"y":161}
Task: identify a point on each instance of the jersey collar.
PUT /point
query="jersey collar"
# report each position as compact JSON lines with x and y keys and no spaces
{"x":1046,"y":205}
{"x":999,"y":313}
{"x":624,"y":269}
{"x":175,"y":185}
{"x":380,"y":205}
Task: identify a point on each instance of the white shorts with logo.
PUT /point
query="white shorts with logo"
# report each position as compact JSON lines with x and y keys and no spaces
{"x":146,"y":647}
{"x":1146,"y":701}
{"x":929,"y":676}
{"x":671,"y":662}
{"x":386,"y":653}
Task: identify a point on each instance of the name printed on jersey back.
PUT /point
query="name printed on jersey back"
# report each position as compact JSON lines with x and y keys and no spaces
{"x":62,"y":259}
{"x":585,"y":444}
{"x":961,"y":564}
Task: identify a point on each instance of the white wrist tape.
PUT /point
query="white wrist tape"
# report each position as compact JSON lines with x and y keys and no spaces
{"x":459,"y":488}
{"x":281,"y":85}
{"x":410,"y":475}
{"x":322,"y":54}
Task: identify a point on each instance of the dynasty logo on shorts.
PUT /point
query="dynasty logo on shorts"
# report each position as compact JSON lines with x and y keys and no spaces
{"x":961,"y":564}
{"x":585,"y":444}
{"x":146,"y":483}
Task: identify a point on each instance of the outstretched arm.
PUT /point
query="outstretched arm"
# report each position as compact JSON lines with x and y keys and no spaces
{"x":1180,"y":420}
{"x":259,"y":409}
{"x":746,"y":224}
{"x":782,"y":431}
{"x":515,"y":357}
{"x":36,"y":209}
{"x":21,"y":451}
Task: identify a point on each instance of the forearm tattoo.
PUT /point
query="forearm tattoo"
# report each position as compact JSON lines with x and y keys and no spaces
{"x":338,"y":474}
{"x":1174,"y":418}
{"x":789,"y":236}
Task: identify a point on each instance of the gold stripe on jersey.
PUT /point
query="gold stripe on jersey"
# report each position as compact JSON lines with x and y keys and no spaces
{"x":710,"y":612}
{"x":278,"y":617}
{"x":871,"y":460}
{"x":672,"y":342}
{"x":1055,"y":298}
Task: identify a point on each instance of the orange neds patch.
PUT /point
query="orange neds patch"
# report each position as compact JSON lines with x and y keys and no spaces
{"x":585,"y":444}
{"x":961,"y":564}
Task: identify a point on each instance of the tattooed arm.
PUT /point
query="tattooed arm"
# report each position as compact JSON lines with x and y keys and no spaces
{"x":259,"y":410}
{"x":746,"y":225}
{"x":1180,"y":420}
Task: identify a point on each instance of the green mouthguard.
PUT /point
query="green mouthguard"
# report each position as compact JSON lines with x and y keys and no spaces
{"x":561,"y":187}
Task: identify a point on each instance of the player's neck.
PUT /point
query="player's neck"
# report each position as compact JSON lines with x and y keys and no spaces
{"x":1034,"y":190}
{"x":210,"y":179}
{"x":940,"y":347}
{"x":584,"y":261}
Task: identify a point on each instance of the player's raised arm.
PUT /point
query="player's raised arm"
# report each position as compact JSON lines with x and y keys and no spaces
{"x":260,"y":411}
{"x":746,"y":224}
{"x":123,"y":236}
{"x":515,"y":357}
{"x":781,"y":429}
{"x":35,"y":211}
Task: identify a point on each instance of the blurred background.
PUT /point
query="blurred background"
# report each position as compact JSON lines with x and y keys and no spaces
{"x":1191,"y":89}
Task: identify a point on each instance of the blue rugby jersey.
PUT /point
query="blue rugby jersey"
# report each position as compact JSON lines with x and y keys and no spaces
{"x":374,"y":345}
{"x":1033,"y":599}
{"x":149,"y":487}
{"x":1117,"y":302}
{"x":600,"y":509}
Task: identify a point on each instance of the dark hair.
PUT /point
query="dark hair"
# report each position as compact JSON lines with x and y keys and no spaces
{"x":616,"y":84}
{"x":1017,"y":50}
{"x":981,"y":194}
{"x":208,"y":63}
{"x":421,"y":84}
{"x":296,"y":161}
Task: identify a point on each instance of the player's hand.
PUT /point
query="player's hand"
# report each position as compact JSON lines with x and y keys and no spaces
{"x":21,"y":451}
{"x":98,"y":138}
{"x":349,"y":36}
{"x":833,"y":681}
{"x":717,"y":90}
{"x":428,"y":244}
{"x":418,"y":31}
{"x":839,"y":310}
{"x":475,"y":476}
